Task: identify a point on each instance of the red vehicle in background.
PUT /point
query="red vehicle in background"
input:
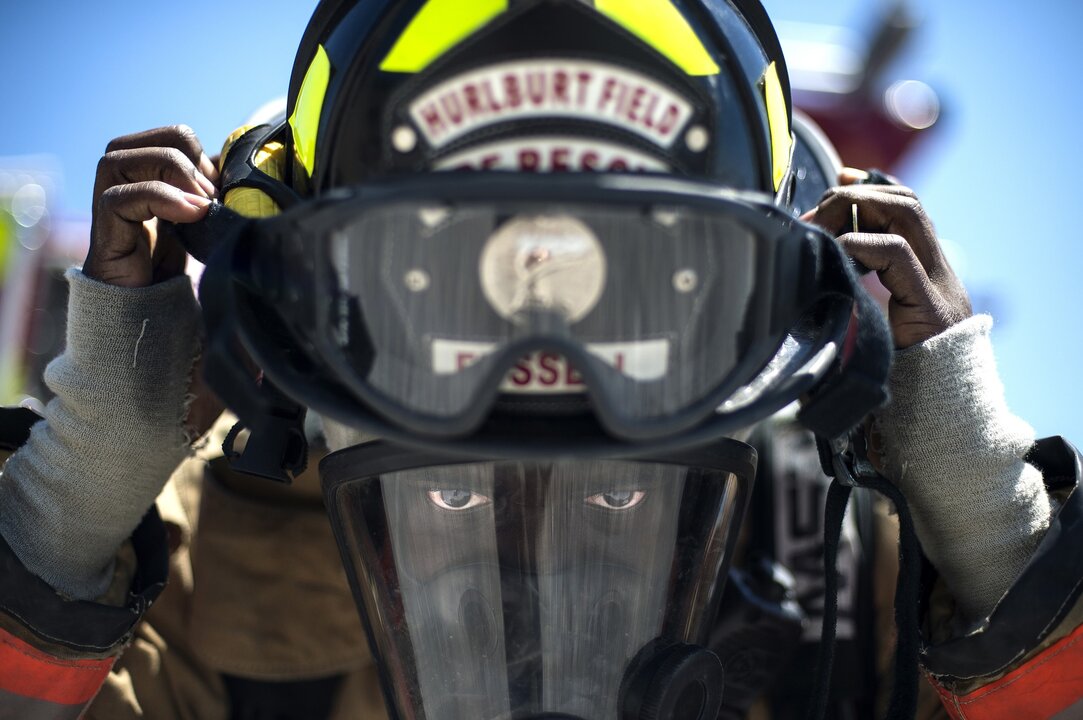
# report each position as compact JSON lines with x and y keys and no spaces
{"x":844,"y":86}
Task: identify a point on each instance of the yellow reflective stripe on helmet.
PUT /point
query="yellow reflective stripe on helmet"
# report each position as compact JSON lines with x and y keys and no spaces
{"x":660,"y":24}
{"x":305,"y":121}
{"x":439,"y":26}
{"x":779,"y":121}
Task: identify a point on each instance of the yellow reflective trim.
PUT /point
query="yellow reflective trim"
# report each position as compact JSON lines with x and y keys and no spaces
{"x":439,"y":26}
{"x":305,"y":121}
{"x":778,"y":120}
{"x":660,"y":24}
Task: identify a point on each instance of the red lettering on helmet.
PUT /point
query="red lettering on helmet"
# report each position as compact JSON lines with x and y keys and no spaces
{"x":622,"y":100}
{"x":521,"y":374}
{"x":490,"y":97}
{"x":464,"y":360}
{"x":529,"y":160}
{"x":651,"y":110}
{"x":669,"y":121}
{"x":618,"y":165}
{"x":635,"y":102}
{"x":584,"y":79}
{"x":560,"y":87}
{"x":535,"y":87}
{"x":607,"y":93}
{"x":452,"y":108}
{"x":490,"y":161}
{"x":513,"y":94}
{"x":618,"y":361}
{"x":431,"y":116}
{"x":549,"y":374}
{"x":558,"y":160}
{"x":473,"y":99}
{"x":589,"y":161}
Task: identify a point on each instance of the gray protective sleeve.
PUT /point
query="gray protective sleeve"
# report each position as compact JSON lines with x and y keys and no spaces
{"x":956,"y":451}
{"x":112,"y":436}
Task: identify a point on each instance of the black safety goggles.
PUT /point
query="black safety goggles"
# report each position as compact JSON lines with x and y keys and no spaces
{"x":662,"y":308}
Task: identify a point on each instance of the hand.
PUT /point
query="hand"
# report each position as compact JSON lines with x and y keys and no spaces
{"x":158,"y":174}
{"x":896,"y":239}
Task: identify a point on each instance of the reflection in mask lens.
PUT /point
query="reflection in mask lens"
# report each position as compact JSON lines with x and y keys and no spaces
{"x":523,"y":588}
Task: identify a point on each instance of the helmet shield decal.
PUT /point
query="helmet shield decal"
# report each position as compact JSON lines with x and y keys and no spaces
{"x":513,"y":589}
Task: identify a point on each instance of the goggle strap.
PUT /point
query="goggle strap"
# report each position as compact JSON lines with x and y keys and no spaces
{"x":838,"y":495}
{"x":903,"y":705}
{"x":277,"y":448}
{"x":859,"y":386}
{"x":239,"y":168}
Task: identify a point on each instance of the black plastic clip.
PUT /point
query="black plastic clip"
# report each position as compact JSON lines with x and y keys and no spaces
{"x":276,"y":448}
{"x":845,"y":458}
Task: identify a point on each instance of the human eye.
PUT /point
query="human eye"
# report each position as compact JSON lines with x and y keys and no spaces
{"x":617,"y":499}
{"x":457,"y":499}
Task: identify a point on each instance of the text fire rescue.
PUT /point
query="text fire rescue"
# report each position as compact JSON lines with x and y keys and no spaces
{"x":597,"y":92}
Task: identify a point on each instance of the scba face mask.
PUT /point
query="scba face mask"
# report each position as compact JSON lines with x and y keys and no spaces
{"x":570,"y":356}
{"x":540,"y":588}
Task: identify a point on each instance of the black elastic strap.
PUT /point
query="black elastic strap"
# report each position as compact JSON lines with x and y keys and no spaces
{"x":903,"y":704}
{"x":907,"y":597}
{"x":837,"y":497}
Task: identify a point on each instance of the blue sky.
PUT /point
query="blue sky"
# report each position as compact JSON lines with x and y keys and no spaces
{"x":999,"y":179}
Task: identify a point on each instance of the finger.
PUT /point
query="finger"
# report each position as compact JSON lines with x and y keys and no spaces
{"x":169,"y":165}
{"x":863,"y":190}
{"x":896,"y":264}
{"x":121,"y":236}
{"x":858,"y":192}
{"x":180,"y":137}
{"x":854,"y":176}
{"x":142,"y":201}
{"x":122,"y":210}
{"x":881,"y":210}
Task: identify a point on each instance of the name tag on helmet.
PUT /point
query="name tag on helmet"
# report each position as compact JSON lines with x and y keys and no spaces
{"x":550,"y":373}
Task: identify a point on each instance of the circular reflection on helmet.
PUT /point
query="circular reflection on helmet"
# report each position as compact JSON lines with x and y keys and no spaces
{"x":543,"y":262}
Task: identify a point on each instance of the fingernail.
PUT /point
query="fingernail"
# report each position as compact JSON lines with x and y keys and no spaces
{"x":197,"y":200}
{"x":206,"y":184}
{"x":208,"y":167}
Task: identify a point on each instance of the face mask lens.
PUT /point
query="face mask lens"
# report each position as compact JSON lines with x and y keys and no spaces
{"x":539,"y":582}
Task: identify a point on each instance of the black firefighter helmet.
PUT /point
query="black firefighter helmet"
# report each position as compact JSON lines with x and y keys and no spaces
{"x":547,"y":250}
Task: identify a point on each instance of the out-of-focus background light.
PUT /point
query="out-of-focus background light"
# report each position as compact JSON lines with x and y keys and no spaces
{"x":974,"y":106}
